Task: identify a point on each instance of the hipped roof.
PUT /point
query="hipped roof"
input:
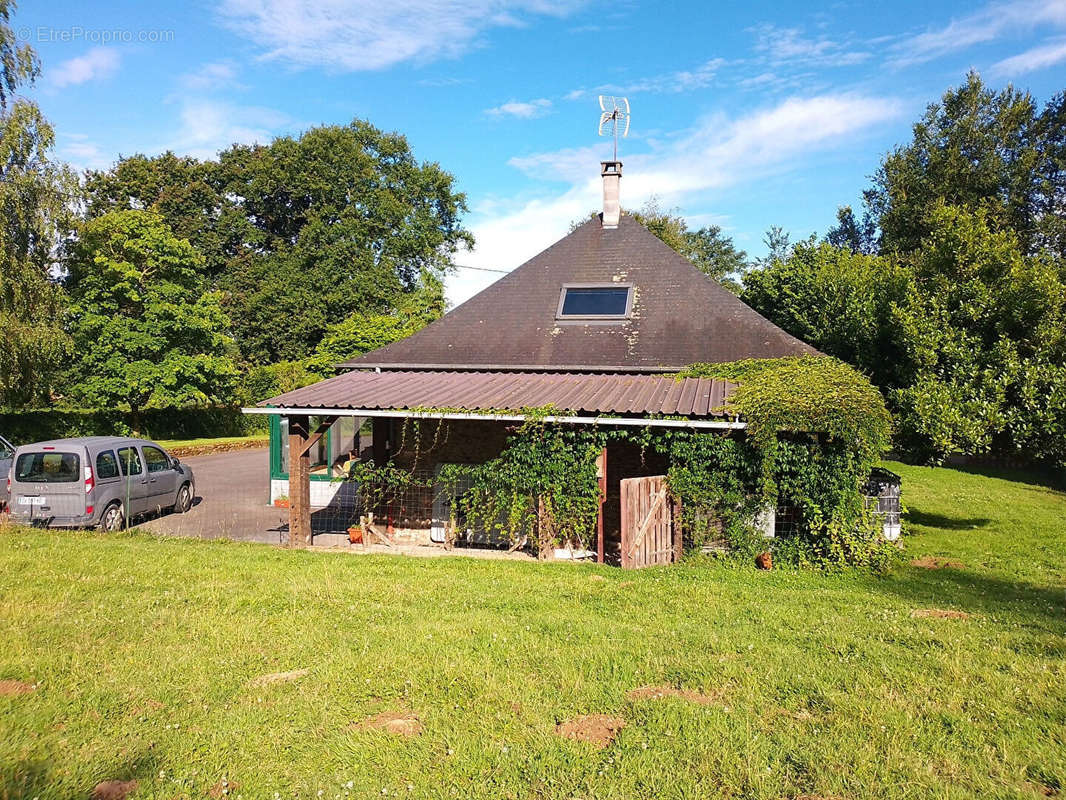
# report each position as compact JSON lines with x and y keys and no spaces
{"x":680,"y":316}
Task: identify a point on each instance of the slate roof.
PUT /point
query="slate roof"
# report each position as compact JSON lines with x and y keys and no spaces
{"x":680,"y":316}
{"x":497,"y":391}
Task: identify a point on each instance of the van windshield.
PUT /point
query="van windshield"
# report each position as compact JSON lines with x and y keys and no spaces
{"x":48,"y":468}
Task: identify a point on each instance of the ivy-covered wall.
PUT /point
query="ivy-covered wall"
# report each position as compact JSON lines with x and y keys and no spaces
{"x":815,"y":428}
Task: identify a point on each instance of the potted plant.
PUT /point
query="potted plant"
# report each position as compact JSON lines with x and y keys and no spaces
{"x":282,"y":501}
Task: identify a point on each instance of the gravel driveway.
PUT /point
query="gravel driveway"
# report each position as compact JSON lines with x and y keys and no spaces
{"x":232,"y":490}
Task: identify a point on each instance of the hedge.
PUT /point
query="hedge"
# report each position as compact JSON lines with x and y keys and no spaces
{"x":20,"y":427}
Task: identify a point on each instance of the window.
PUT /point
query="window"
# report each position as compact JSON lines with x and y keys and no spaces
{"x":595,"y":302}
{"x":48,"y":468}
{"x":155,"y":459}
{"x":106,"y":465}
{"x":130,"y":460}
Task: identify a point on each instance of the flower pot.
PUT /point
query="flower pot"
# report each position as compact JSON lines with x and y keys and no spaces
{"x":355,"y":534}
{"x":281,"y":502}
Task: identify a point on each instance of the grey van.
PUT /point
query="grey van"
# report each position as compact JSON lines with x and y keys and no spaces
{"x":95,"y":481}
{"x":7,"y":450}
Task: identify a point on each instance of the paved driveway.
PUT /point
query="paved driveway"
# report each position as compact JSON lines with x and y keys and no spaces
{"x":232,"y":490}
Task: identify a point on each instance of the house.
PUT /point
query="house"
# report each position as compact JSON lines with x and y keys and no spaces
{"x":594,"y":326}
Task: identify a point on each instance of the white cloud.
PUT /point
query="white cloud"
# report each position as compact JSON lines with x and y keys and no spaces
{"x":698,"y":77}
{"x":1047,"y":55}
{"x":718,"y":152}
{"x":523,"y":110}
{"x":98,"y":63}
{"x":216,"y":75}
{"x":559,"y":164}
{"x":985,"y":25}
{"x":368,"y":34}
{"x":82,"y":153}
{"x":207,"y":126}
{"x":790,"y":46}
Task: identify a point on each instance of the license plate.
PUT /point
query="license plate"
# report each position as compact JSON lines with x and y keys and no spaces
{"x":32,"y":501}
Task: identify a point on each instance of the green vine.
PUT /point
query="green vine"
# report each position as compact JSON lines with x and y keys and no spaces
{"x":815,"y":427}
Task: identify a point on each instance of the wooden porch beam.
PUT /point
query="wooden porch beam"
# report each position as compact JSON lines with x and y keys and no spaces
{"x":320,"y":431}
{"x":299,"y":482}
{"x":601,"y":475}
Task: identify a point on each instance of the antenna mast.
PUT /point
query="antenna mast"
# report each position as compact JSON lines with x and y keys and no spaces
{"x":614,"y":119}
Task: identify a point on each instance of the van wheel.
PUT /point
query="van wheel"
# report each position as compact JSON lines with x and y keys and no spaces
{"x":184,"y":501}
{"x":113,"y":519}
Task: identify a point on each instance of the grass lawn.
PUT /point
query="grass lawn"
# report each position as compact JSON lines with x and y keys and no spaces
{"x":146,"y":652}
{"x":186,"y":448}
{"x":171,"y":444}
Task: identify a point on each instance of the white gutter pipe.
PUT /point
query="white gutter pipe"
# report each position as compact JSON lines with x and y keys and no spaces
{"x":702,"y":424}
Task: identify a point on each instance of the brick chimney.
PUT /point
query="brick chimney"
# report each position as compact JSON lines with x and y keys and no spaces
{"x":612,"y":177}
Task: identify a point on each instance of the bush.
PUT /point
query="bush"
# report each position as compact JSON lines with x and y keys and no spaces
{"x":22,"y":427}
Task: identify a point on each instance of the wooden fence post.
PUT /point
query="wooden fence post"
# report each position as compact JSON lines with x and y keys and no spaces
{"x":601,"y":474}
{"x":679,"y":541}
{"x":299,"y":482}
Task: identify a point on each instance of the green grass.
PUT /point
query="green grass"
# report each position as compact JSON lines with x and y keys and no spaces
{"x":145,"y":648}
{"x":170,"y":444}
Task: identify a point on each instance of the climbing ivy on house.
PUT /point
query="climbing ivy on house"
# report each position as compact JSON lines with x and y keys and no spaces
{"x":541,"y":489}
{"x":815,"y":427}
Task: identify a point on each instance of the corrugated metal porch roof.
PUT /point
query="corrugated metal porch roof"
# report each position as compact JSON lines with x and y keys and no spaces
{"x":641,"y":395}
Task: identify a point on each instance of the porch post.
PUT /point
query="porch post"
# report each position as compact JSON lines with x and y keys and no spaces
{"x":601,"y":475}
{"x":382,"y":426}
{"x":299,"y":482}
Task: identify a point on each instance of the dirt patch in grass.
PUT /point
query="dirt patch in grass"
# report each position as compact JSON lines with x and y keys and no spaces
{"x":398,"y":723}
{"x":597,"y":729}
{"x":939,"y":613}
{"x":932,"y":562}
{"x":11,"y":688}
{"x":659,"y":692}
{"x":1041,"y":790}
{"x":279,"y":677}
{"x":147,"y":707}
{"x":222,"y":789}
{"x":113,"y":790}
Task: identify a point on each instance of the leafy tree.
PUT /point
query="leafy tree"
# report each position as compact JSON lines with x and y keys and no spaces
{"x":843,"y":303}
{"x":18,"y":62}
{"x":978,"y":147}
{"x":778,"y":246}
{"x":985,"y":331}
{"x":35,"y":194}
{"x":362,"y":332}
{"x":858,"y":237}
{"x":269,"y":380}
{"x":713,"y":253}
{"x":966,"y":335}
{"x":185,"y":193}
{"x":303,"y":232}
{"x":146,"y":333}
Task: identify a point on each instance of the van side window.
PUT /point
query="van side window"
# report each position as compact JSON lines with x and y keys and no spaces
{"x":106,"y":465}
{"x":130,"y":460}
{"x":155,"y":458}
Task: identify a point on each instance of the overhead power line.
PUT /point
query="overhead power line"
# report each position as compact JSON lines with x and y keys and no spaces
{"x":481,"y":269}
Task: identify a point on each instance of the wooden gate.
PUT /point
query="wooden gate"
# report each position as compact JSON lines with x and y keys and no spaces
{"x":650,"y":532}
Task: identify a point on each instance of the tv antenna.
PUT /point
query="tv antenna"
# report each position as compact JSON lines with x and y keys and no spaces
{"x":615,"y":118}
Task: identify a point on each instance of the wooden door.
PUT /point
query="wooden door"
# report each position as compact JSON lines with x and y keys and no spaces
{"x":650,"y":533}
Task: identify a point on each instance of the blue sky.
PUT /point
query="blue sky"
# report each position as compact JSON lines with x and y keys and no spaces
{"x":744,"y":114}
